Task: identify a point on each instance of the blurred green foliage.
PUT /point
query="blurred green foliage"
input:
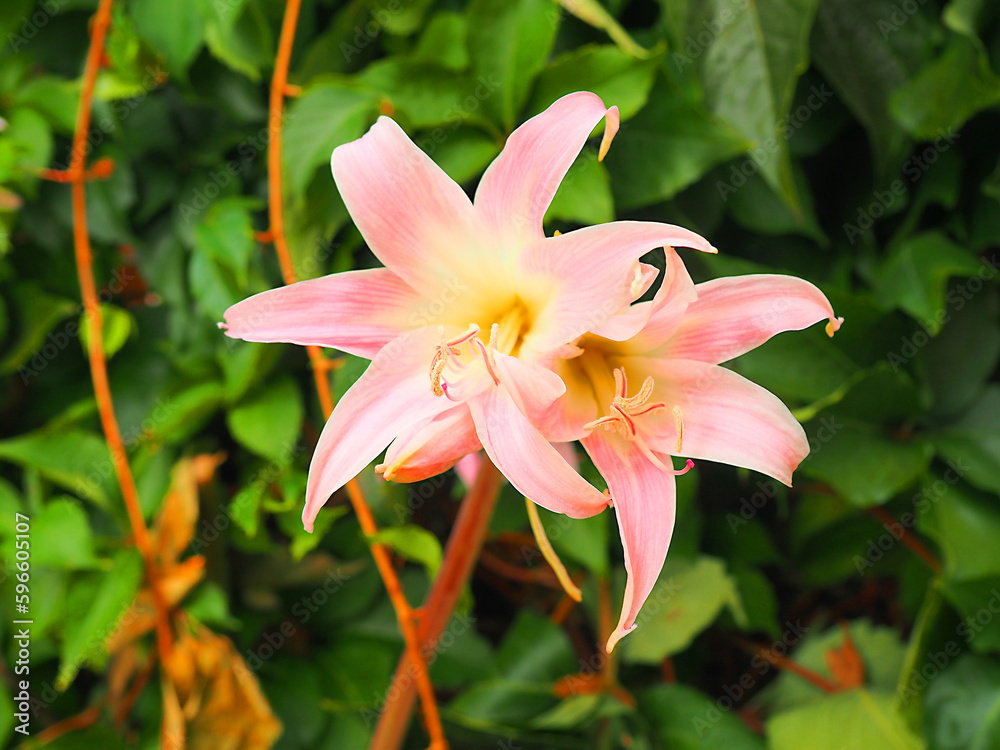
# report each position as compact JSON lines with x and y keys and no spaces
{"x":850,"y":142}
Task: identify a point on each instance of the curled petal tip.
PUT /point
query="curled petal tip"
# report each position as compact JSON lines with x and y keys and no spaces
{"x":223,"y":326}
{"x":713,"y":250}
{"x":307,"y":524}
{"x":833,"y":325}
{"x":616,"y":636}
{"x":612,"y":120}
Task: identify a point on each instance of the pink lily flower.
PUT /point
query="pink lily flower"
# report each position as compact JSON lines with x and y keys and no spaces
{"x":646,"y":385}
{"x":473,"y":301}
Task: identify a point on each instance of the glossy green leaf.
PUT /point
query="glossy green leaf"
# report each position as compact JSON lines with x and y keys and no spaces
{"x":413,"y":543}
{"x":947,"y":92}
{"x":76,"y":460}
{"x":116,"y":326}
{"x":963,"y":706}
{"x":269,"y":420}
{"x":104,"y":602}
{"x":686,"y":600}
{"x":324,"y":117}
{"x":671,"y":143}
{"x":617,"y":77}
{"x":509,"y":41}
{"x":854,"y":720}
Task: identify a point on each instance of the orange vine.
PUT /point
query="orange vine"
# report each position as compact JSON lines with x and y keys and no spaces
{"x":321,"y":367}
{"x":77,"y":175}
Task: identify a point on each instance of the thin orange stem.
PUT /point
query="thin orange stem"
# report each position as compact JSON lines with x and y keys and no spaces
{"x":460,"y":554}
{"x":562,"y":610}
{"x":98,"y":362}
{"x":321,"y":368}
{"x":783,"y":662}
{"x":87,"y":717}
{"x":907,"y":538}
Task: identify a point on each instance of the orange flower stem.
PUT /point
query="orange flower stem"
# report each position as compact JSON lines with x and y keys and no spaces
{"x":460,"y":554}
{"x":907,"y":538}
{"x":562,"y":610}
{"x":98,"y":361}
{"x":87,"y":717}
{"x":321,"y":368}
{"x":789,"y":665}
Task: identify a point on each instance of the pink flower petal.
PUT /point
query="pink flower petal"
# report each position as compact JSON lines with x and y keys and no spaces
{"x":580,"y":279}
{"x":431,"y":446}
{"x":736,"y":314}
{"x":726,"y":418}
{"x":653,"y":321}
{"x":532,"y":387}
{"x":393,"y":394}
{"x":415,"y":218}
{"x":646,"y":504}
{"x":519,"y":185}
{"x":357,"y":312}
{"x":527,"y":459}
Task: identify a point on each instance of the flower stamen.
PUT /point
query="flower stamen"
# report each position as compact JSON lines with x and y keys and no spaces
{"x":445,"y":353}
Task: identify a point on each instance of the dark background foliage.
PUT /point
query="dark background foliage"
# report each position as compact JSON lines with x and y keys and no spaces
{"x":850,"y":142}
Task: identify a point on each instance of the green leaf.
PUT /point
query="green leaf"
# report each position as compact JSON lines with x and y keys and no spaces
{"x":618,"y":78}
{"x":244,"y":509}
{"x":880,"y":648}
{"x":509,"y":41}
{"x":749,"y":71}
{"x":176,"y":30}
{"x":963,"y":523}
{"x":862,"y":464}
{"x":413,"y":543}
{"x":685,"y":719}
{"x":535,"y":651}
{"x":186,"y":411}
{"x":239,"y":35}
{"x":756,"y":206}
{"x":103,"y":737}
{"x":269,"y":421}
{"x":38,"y":314}
{"x":671,"y":143}
{"x":425,"y":93}
{"x":570,"y":713}
{"x":443,"y":41}
{"x":948,"y":91}
{"x":853,"y":720}
{"x":973,"y":442}
{"x":324,"y":117}
{"x":584,"y":195}
{"x":104,"y":602}
{"x":463,"y":154}
{"x":915,"y":276}
{"x":61,"y":537}
{"x":76,"y":460}
{"x":116,"y":326}
{"x":686,"y":600}
{"x":963,"y":706}
{"x":866,"y":51}
{"x":225,"y":234}
{"x":592,"y":12}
